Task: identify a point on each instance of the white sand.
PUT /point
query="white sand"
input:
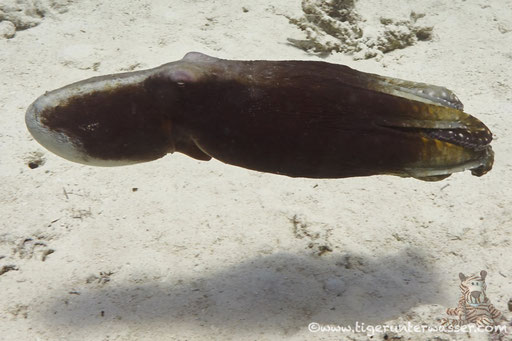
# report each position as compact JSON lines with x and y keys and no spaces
{"x":207,"y":251}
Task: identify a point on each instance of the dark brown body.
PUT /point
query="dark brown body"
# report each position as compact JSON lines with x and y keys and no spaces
{"x":296,"y":118}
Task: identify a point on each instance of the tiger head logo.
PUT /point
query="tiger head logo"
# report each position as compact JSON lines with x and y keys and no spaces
{"x":473,"y":288}
{"x":473,"y":305}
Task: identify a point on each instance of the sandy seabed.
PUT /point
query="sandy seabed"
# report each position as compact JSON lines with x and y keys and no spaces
{"x":179,"y":249}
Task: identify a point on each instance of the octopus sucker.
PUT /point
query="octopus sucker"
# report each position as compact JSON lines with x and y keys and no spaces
{"x":296,"y":118}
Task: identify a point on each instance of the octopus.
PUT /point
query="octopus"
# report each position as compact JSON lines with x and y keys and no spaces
{"x":307,"y":119}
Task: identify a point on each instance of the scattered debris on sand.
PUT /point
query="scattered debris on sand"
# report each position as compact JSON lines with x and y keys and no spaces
{"x":17,"y":15}
{"x":30,"y":247}
{"x":316,"y":236}
{"x":335,"y":26}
